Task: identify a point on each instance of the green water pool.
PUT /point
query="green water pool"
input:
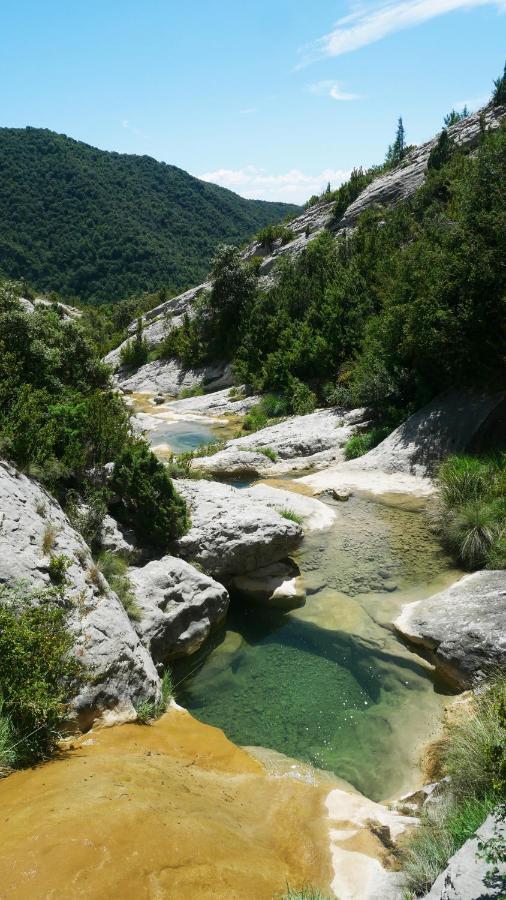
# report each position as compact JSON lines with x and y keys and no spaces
{"x":331,"y":684}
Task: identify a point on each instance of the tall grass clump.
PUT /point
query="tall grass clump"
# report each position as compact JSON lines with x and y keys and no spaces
{"x":149,"y":711}
{"x":305,"y":893}
{"x":473,"y":756}
{"x":115,"y":570}
{"x":361,"y":443}
{"x":473,"y":509}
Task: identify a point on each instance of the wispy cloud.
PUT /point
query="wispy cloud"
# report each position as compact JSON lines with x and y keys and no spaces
{"x":127,"y":125}
{"x":293,"y":186}
{"x":473,"y":102}
{"x":330,"y":89}
{"x":371,"y":23}
{"x":248,"y":111}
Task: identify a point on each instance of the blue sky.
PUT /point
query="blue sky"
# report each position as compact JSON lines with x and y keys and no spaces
{"x":271,"y":99}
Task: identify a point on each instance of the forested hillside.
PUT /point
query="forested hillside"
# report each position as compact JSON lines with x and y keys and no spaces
{"x":100,"y":226}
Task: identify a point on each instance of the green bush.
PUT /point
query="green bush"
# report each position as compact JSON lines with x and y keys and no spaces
{"x":145,"y":498}
{"x":148,"y":711}
{"x":37,"y":672}
{"x":361,"y":443}
{"x":272,"y":233}
{"x":473,"y":755}
{"x":472,"y":494}
{"x":135,"y":353}
{"x":115,"y":571}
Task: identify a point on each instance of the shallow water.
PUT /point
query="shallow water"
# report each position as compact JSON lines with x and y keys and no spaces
{"x":330,"y":684}
{"x":182,"y":436}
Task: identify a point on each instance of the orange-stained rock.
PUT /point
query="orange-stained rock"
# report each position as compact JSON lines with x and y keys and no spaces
{"x":174,"y":810}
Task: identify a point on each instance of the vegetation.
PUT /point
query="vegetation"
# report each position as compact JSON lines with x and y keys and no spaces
{"x":61,"y":421}
{"x":148,"y":711}
{"x":411,"y":303}
{"x":115,"y":570}
{"x":453,"y":117}
{"x":473,"y":509}
{"x":291,"y":516}
{"x":100,"y":226}
{"x":135,"y":352}
{"x":473,"y":755}
{"x":397,"y":151}
{"x":36,"y":673}
{"x":499,"y":94}
{"x":267,"y":236}
{"x":361,"y":443}
{"x":305,"y":893}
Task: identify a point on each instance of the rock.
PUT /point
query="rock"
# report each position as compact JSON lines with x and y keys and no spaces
{"x":232,"y":533}
{"x":425,"y":797}
{"x":462,"y":627}
{"x":119,"y":540}
{"x":179,"y":606}
{"x":279,"y":585}
{"x":122,"y":671}
{"x":159,"y":399}
{"x":168,"y":377}
{"x":296,"y":443}
{"x":465,"y":877}
{"x":67,"y":313}
{"x":405,"y":461}
{"x":341,"y":495}
{"x":225,"y":402}
{"x":314,"y":514}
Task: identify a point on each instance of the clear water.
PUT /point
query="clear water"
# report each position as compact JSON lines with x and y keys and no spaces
{"x":182,"y":436}
{"x":330,"y":684}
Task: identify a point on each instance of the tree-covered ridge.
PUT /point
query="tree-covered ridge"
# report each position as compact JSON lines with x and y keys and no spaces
{"x":100,"y":226}
{"x":412,"y":302}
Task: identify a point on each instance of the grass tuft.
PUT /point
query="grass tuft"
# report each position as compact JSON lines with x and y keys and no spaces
{"x":115,"y":570}
{"x":149,"y":711}
{"x":291,"y":516}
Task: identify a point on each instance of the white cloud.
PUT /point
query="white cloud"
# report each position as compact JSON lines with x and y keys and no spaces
{"x":292,"y":187}
{"x":127,"y":125}
{"x":369,"y":24}
{"x":248,"y":111}
{"x":331,"y":89}
{"x":472,"y":104}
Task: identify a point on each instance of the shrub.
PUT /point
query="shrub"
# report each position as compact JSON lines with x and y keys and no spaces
{"x":148,"y":711}
{"x":57,"y":568}
{"x":473,"y":755}
{"x":49,"y":538}
{"x":272,"y":233}
{"x":196,"y":391}
{"x":301,"y":398}
{"x":145,"y":498}
{"x":499,"y":94}
{"x":115,"y":570}
{"x":473,"y":509}
{"x":36,"y":669}
{"x":135,"y":353}
{"x":361,"y":443}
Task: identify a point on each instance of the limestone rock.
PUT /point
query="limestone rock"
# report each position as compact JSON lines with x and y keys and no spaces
{"x":462,"y":626}
{"x":465,"y":874}
{"x":118,"y":540}
{"x":167,"y":376}
{"x":179,"y":606}
{"x":279,"y":585}
{"x":122,"y":672}
{"x":217,"y":403}
{"x":231,"y":532}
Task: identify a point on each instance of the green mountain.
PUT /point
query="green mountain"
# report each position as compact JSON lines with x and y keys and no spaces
{"x":100,"y":226}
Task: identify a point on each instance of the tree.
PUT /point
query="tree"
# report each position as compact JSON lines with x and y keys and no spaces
{"x":453,"y":117}
{"x":440,"y":154}
{"x":499,"y":94}
{"x":397,"y":150}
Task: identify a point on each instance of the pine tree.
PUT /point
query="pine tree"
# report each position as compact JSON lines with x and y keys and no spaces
{"x":397,"y":150}
{"x":499,"y":95}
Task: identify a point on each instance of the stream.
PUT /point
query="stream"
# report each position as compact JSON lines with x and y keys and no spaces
{"x":331,"y":684}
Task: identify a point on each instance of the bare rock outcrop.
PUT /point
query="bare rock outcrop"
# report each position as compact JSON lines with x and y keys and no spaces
{"x":120,"y":672}
{"x":465,"y":877}
{"x":232,"y":533}
{"x":462,"y":627}
{"x":178,"y":607}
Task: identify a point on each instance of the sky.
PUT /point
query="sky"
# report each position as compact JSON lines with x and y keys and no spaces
{"x":270,"y":99}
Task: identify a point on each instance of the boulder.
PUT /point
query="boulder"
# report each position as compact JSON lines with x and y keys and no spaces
{"x":32,"y":526}
{"x":231,"y":532}
{"x":462,"y":627}
{"x":179,"y":606}
{"x":118,"y":540}
{"x":167,"y":376}
{"x":465,"y":877}
{"x":218,"y":403}
{"x":279,"y":585}
{"x":314,"y":514}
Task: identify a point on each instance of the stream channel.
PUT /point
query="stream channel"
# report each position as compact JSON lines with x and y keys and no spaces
{"x":331,"y":684}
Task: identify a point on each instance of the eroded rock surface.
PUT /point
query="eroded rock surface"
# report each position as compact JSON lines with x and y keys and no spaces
{"x":168,"y":377}
{"x":179,"y":605}
{"x":463,"y":626}
{"x":122,"y":672}
{"x":231,"y":532}
{"x":465,"y":877}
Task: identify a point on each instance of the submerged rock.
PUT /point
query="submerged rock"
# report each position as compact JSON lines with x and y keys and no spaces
{"x":462,"y":627}
{"x":32,"y":526}
{"x":179,"y":605}
{"x":231,"y":532}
